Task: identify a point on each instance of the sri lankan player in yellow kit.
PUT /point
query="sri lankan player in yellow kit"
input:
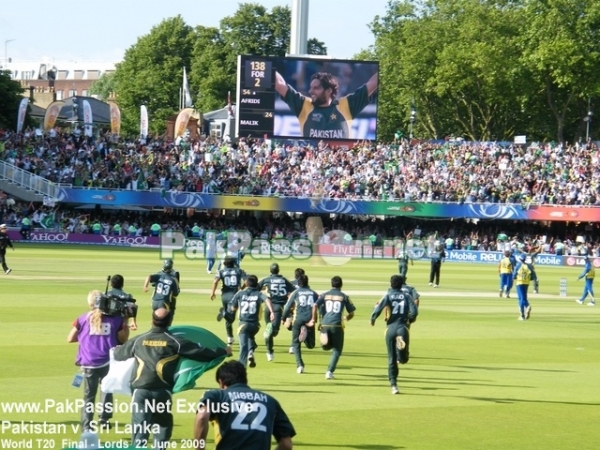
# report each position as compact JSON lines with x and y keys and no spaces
{"x":523,"y":275}
{"x":506,"y":270}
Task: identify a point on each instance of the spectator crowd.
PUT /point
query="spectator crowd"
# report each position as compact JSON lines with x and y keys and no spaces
{"x":418,"y":171}
{"x":566,"y":238}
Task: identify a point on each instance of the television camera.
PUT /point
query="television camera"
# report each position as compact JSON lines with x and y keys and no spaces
{"x":116,"y":305}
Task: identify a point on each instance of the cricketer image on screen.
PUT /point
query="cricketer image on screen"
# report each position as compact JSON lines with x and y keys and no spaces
{"x":308,"y":98}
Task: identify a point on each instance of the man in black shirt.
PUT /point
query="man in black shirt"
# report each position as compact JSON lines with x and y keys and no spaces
{"x":297,"y":274}
{"x":279,"y":288}
{"x":412,"y":292}
{"x":243,"y":418}
{"x":300,"y":305}
{"x":437,"y":258}
{"x":4,"y":243}
{"x":166,"y":287}
{"x":331,"y":306}
{"x":249,"y":303}
{"x":157,"y":354}
{"x":403,"y":258}
{"x":231,"y":277}
{"x":117,"y":282}
{"x":400,"y":311}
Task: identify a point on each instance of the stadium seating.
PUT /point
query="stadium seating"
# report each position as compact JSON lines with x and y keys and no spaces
{"x":424,"y":172}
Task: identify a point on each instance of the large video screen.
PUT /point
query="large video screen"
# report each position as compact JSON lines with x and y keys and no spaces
{"x":307,"y":98}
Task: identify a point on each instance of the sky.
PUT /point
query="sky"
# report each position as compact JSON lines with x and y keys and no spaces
{"x":86,"y":30}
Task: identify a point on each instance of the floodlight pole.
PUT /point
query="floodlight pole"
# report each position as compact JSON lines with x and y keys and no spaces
{"x":299,"y":27}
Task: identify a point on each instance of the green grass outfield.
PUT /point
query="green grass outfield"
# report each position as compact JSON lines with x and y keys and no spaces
{"x":477,"y":378}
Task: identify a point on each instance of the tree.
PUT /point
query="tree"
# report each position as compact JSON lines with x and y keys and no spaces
{"x":452,"y":59}
{"x":488,"y":69}
{"x":213,"y":69}
{"x":252,"y":30}
{"x":151,"y":74}
{"x":315,"y":47}
{"x":560,"y":50}
{"x":11,"y":94}
{"x":104,"y":87}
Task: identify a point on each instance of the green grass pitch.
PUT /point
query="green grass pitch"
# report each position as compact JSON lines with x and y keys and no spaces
{"x":477,"y":378}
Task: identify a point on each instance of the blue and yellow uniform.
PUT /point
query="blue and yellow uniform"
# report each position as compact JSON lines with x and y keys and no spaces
{"x":523,"y":274}
{"x":327,"y":122}
{"x":506,"y":269}
{"x":589,"y":273}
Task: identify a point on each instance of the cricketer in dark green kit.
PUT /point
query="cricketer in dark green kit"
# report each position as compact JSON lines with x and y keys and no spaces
{"x":331,"y":305}
{"x":401,"y":310}
{"x":300,"y":305}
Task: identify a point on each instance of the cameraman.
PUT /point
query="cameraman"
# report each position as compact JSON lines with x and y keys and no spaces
{"x":166,"y":287}
{"x":116,"y":283}
{"x":157,"y":354}
{"x":97,"y":334}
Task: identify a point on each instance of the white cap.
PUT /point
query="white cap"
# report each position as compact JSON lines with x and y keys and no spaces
{"x":3,"y":226}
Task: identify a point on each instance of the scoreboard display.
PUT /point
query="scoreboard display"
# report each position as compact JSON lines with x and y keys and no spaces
{"x":256,"y":98}
{"x":286,"y":98}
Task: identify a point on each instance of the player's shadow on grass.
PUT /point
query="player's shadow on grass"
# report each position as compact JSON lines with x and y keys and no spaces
{"x":369,"y":368}
{"x":384,"y":383}
{"x":443,"y":369}
{"x":353,"y":446}
{"x":363,"y":355}
{"x":443,"y":381}
{"x":521,"y":369}
{"x":295,"y":391}
{"x":437,"y":381}
{"x":521,"y":400}
{"x":345,"y":382}
{"x":412,"y":358}
{"x":571,"y":320}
